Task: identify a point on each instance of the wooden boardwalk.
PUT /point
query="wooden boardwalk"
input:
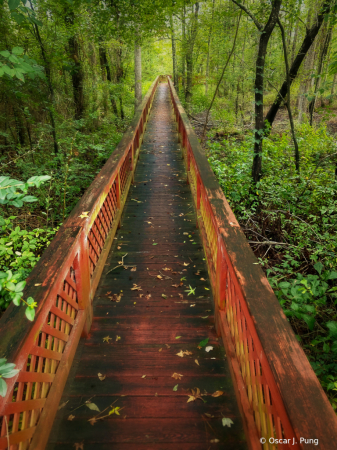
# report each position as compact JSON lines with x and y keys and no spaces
{"x":143,"y":317}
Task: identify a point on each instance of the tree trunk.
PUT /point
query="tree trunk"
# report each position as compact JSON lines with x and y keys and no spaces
{"x":323,"y":53}
{"x":49,"y":82}
{"x":310,"y":35}
{"x":138,"y":71}
{"x":259,"y":86}
{"x":120,"y":75}
{"x":189,"y":53}
{"x":183,"y":47}
{"x":208,"y":49}
{"x":77,"y":76}
{"x":174,"y":56}
{"x":106,"y":73}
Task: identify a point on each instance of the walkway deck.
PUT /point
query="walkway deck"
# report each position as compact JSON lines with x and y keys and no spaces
{"x":149,"y":326}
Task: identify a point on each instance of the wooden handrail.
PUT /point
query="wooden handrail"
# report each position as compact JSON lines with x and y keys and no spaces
{"x":279,"y":393}
{"x":63,"y":284}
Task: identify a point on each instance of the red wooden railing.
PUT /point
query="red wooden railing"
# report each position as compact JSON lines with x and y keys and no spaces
{"x":63,"y":283}
{"x":280,"y":397}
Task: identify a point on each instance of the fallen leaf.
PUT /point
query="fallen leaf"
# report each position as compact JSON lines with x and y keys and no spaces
{"x":181,"y":296}
{"x":217,"y":394}
{"x":177,"y":376}
{"x":166,"y":268}
{"x":93,"y":420}
{"x":78,"y":446}
{"x":107,"y":339}
{"x":143,"y":376}
{"x":204,"y":342}
{"x":168,"y":346}
{"x":209,"y":348}
{"x":164,"y":296}
{"x":148,"y":296}
{"x":186,"y":264}
{"x":133,"y":269}
{"x":192,"y":305}
{"x":202,"y":279}
{"x":214,"y":441}
{"x":196,"y":361}
{"x":101,"y":377}
{"x":226,"y":422}
{"x":118,"y":248}
{"x":183,"y":353}
{"x":175,"y":387}
{"x":205,"y":317}
{"x":92,"y":406}
{"x":71,"y":417}
{"x":209,"y":415}
{"x":115,"y":298}
{"x":195,"y":395}
{"x":160,"y":350}
{"x":155,"y":243}
{"x":136,"y":287}
{"x":175,"y":285}
{"x":84,"y":214}
{"x":178,"y":337}
{"x":118,"y":338}
{"x":115,"y":411}
{"x":62,"y":405}
{"x":159,"y":277}
{"x":38,"y":284}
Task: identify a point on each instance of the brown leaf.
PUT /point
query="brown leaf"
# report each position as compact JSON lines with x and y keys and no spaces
{"x":78,"y":446}
{"x":217,"y":394}
{"x":136,"y":288}
{"x":107,"y":339}
{"x":115,"y":298}
{"x":148,"y":296}
{"x":183,"y":353}
{"x":71,"y":417}
{"x":181,"y":296}
{"x":141,"y":295}
{"x":93,"y":420}
{"x":119,"y":247}
{"x":175,"y":285}
{"x":177,"y":376}
{"x":62,"y":405}
{"x":202,"y":279}
{"x":209,"y":415}
{"x":186,"y":264}
{"x":38,"y":284}
{"x":159,"y":277}
{"x":196,"y":361}
{"x":133,"y":269}
{"x":101,"y":377}
{"x":160,"y":349}
{"x":214,"y":441}
{"x":166,"y":268}
{"x":168,"y":346}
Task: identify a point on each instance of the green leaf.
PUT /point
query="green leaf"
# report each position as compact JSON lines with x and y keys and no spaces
{"x":10,"y":373}
{"x":92,"y":406}
{"x":3,"y":387}
{"x":11,"y":286}
{"x":30,"y":313}
{"x":309,"y":320}
{"x":332,"y":275}
{"x":17,"y":50}
{"x":226,"y":422}
{"x":204,"y":342}
{"x":175,"y":388}
{"x":13,"y":4}
{"x":19,"y":287}
{"x":319,"y":267}
{"x":17,"y":299}
{"x":332,"y":327}
{"x":5,"y":54}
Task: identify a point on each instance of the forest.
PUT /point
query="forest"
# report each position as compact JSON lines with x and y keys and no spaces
{"x":258,"y":80}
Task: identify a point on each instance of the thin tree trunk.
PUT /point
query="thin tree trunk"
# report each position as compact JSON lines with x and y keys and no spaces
{"x":297,"y":154}
{"x":138,"y":71}
{"x":208,"y":49}
{"x":77,"y":76}
{"x":324,"y":51}
{"x":49,"y":82}
{"x":189,"y":53}
{"x":120,"y":75}
{"x":333,"y":88}
{"x":183,"y":48}
{"x":106,"y":73}
{"x":310,"y":35}
{"x":174,"y":56}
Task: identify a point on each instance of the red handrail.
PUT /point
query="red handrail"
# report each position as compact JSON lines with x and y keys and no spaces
{"x":63,"y":283}
{"x":281,"y":399}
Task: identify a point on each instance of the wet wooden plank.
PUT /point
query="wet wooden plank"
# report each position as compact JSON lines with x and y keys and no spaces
{"x":143,"y":329}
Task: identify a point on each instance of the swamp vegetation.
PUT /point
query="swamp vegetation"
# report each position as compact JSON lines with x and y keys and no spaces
{"x":258,"y":80}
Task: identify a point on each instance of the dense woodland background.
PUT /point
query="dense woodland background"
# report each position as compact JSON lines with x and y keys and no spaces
{"x":72,"y":71}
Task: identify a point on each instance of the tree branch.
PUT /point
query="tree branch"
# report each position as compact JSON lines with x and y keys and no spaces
{"x":250,"y":14}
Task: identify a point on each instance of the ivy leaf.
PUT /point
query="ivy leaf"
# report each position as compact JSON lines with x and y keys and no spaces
{"x":92,"y":406}
{"x":226,"y":422}
{"x":3,"y":387}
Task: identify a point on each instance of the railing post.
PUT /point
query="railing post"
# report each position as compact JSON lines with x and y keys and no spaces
{"x":118,"y":194}
{"x":82,"y":274}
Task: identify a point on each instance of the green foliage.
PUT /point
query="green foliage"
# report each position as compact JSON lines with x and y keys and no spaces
{"x":299,"y":212}
{"x":16,"y":64}
{"x":7,"y":370}
{"x":9,"y":188}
